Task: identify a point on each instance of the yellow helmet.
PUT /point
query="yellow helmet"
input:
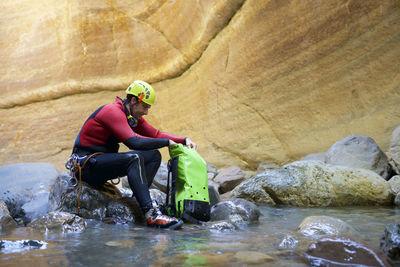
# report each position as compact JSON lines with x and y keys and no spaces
{"x":143,"y":91}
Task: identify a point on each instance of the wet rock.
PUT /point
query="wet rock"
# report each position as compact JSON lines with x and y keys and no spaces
{"x":215,"y":185}
{"x":253,"y":257}
{"x":358,"y":151}
{"x":60,"y":222}
{"x":95,"y":202}
{"x":6,"y":221}
{"x":214,"y":195}
{"x":25,"y":189}
{"x":390,"y":242}
{"x":264,"y":166}
{"x":394,"y":183}
{"x":315,"y":156}
{"x":313,"y":183}
{"x":7,"y":246}
{"x":343,"y":251}
{"x":395,"y":149}
{"x":321,"y":226}
{"x":229,"y":178}
{"x":236,"y":211}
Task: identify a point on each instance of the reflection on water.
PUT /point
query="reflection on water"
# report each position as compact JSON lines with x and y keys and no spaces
{"x":272,"y":242}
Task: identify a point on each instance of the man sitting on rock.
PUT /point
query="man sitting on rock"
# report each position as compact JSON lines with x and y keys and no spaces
{"x":97,"y":144}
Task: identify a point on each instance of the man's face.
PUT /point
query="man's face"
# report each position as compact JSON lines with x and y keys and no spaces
{"x":139,"y":109}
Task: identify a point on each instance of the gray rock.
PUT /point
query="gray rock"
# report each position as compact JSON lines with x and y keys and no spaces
{"x":395,"y":148}
{"x":214,"y":195}
{"x":313,"y":183}
{"x":394,"y":183}
{"x":358,"y":151}
{"x":6,"y":221}
{"x":236,"y":211}
{"x":315,"y":156}
{"x":158,"y":196}
{"x":212,"y":171}
{"x":25,"y":188}
{"x":323,"y":226}
{"x":264,"y":166}
{"x":59,"y":222}
{"x":101,"y":203}
{"x":223,"y":226}
{"x":229,"y":178}
{"x":343,"y":251}
{"x":390,"y":241}
{"x":396,"y":201}
{"x":161,"y":178}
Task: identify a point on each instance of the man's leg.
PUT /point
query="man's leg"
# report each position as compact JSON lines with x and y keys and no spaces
{"x":109,"y":166}
{"x":151,"y":161}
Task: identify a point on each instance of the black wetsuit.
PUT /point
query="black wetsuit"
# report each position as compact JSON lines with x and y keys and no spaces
{"x":103,"y":131}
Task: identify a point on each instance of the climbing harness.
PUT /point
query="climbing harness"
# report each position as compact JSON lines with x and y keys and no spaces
{"x":73,"y":165}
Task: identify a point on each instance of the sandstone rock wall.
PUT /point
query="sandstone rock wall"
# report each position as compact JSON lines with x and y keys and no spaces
{"x":249,"y":81}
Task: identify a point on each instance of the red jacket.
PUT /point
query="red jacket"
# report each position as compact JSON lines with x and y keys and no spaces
{"x":108,"y":126}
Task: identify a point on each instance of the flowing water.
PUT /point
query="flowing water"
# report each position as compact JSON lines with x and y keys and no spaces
{"x":132,"y":245}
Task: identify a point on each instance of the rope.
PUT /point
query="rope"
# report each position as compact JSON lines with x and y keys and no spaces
{"x":79,"y":168}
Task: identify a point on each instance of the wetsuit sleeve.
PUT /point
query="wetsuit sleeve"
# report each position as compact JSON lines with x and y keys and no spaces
{"x":116,"y":122}
{"x":145,"y":129}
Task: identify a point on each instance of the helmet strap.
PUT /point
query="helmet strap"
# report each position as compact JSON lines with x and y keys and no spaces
{"x":131,"y":120}
{"x":141,"y":98}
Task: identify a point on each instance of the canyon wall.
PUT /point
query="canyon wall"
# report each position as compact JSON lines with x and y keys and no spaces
{"x":249,"y":81}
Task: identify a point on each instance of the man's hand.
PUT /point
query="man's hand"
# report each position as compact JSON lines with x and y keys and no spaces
{"x":171,"y":143}
{"x":190,"y":143}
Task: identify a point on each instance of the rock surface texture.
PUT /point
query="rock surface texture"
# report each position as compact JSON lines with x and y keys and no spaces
{"x":313,"y":183}
{"x":253,"y":81}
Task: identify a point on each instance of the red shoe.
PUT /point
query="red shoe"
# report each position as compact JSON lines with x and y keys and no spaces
{"x":155,"y":218}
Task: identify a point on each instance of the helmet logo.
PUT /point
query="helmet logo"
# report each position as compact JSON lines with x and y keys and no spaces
{"x":146,"y":90}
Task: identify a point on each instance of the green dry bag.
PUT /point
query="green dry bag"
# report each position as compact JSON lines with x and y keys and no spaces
{"x":188,"y":196}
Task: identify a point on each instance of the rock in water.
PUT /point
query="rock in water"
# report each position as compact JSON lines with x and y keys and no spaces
{"x":25,"y":188}
{"x":314,"y":183}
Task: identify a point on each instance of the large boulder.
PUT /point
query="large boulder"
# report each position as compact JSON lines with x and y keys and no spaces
{"x":101,"y":203}
{"x":343,"y":251}
{"x":6,"y":221}
{"x":313,"y":183}
{"x":358,"y":151}
{"x":25,"y":189}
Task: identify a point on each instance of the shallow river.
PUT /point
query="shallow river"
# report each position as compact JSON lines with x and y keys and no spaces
{"x":132,"y":245}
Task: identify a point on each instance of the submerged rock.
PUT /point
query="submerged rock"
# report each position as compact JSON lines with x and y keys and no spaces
{"x":6,"y":221}
{"x":321,"y":226}
{"x":25,"y":189}
{"x":343,"y":251}
{"x":390,"y":241}
{"x":358,"y":151}
{"x":314,"y":183}
{"x":95,"y":202}
{"x":59,"y":221}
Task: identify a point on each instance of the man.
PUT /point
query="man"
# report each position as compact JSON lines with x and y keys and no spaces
{"x":98,"y":141}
